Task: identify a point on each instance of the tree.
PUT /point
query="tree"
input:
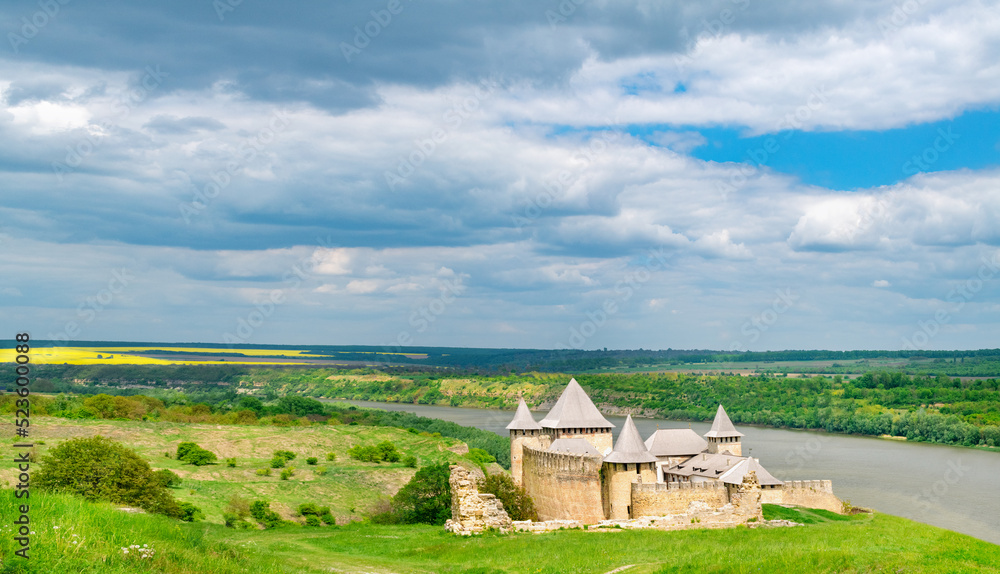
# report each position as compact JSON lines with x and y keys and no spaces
{"x":516,"y":501}
{"x":191,"y":453}
{"x":167,"y":478}
{"x":98,"y":468}
{"x":426,"y":498}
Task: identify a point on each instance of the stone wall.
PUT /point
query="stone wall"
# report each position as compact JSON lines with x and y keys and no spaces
{"x":601,"y":439}
{"x":563,"y":486}
{"x":471,"y":511}
{"x":811,"y":494}
{"x":671,"y":498}
{"x":518,"y":439}
{"x":617,"y":487}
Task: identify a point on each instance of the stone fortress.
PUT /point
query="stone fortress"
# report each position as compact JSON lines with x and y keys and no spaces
{"x":568,"y":465}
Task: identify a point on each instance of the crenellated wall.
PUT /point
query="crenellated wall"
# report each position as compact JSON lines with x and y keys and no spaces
{"x":811,"y":494}
{"x":662,"y":499}
{"x":600,"y":438}
{"x":564,"y":486}
{"x":519,"y":438}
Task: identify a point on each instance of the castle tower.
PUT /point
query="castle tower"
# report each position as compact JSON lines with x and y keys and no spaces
{"x":629,"y":462}
{"x":523,"y":430}
{"x":575,"y":416}
{"x":724,"y":437}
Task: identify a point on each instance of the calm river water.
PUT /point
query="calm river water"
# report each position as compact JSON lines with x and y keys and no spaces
{"x":951,"y":487}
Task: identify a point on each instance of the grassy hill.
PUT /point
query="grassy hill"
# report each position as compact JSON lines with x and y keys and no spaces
{"x":349,"y":487}
{"x":75,"y":536}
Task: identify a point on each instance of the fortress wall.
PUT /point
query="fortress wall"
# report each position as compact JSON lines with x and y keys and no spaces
{"x":517,"y":441}
{"x":772,"y":495}
{"x":601,"y":440}
{"x":563,"y":486}
{"x":811,"y":494}
{"x":676,"y":497}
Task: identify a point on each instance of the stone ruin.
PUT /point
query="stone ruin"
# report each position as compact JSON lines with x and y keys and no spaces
{"x":471,"y":511}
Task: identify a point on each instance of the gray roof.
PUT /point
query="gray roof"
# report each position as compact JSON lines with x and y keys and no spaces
{"x":523,"y":419}
{"x":722,"y":426}
{"x":574,"y":446}
{"x":735,"y":476}
{"x":629,"y":447}
{"x":574,"y":410}
{"x":707,"y":465}
{"x":675,"y":442}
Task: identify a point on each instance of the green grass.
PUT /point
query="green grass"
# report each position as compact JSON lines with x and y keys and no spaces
{"x":349,"y":488}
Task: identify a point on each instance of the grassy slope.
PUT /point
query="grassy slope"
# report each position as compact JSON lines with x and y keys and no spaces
{"x":349,"y":488}
{"x":878,"y":543}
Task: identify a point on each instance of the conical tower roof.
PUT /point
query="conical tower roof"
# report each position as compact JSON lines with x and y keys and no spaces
{"x":630,"y":447}
{"x":722,"y":426}
{"x":575,"y":410}
{"x":523,"y":419}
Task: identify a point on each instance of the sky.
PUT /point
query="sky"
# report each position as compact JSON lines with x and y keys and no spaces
{"x":733,"y":174}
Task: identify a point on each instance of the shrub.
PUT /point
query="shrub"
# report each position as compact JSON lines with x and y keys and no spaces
{"x":425,"y":499}
{"x":321,"y":470}
{"x":191,"y":453}
{"x":312,"y":460}
{"x":190,"y":512}
{"x":263,"y":472}
{"x":480,"y":456}
{"x":167,"y":478}
{"x":327,"y":518}
{"x":308,"y":508}
{"x":277,"y":462}
{"x":98,"y":468}
{"x":515,"y":499}
{"x":285,"y":454}
{"x":231,"y":462}
{"x":313,"y":521}
{"x":287,"y":473}
{"x":383,"y":451}
{"x":261,"y":511}
{"x":331,"y":456}
{"x":410,"y":461}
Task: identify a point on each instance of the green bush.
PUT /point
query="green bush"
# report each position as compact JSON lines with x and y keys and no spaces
{"x":313,"y":521}
{"x":321,"y":470}
{"x":98,"y":468}
{"x":190,"y":512}
{"x":263,"y":472}
{"x":480,"y":456}
{"x":191,"y":453}
{"x":285,"y":454}
{"x":327,"y":518}
{"x":307,"y":508}
{"x":277,"y":462}
{"x":167,"y":478}
{"x":425,"y":499}
{"x":260,"y":510}
{"x":331,"y":456}
{"x":383,"y":451}
{"x":312,"y":460}
{"x":231,"y":462}
{"x":516,"y":501}
{"x":410,"y":461}
{"x":287,"y":473}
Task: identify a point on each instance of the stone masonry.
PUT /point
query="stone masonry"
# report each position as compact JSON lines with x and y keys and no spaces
{"x":471,"y":511}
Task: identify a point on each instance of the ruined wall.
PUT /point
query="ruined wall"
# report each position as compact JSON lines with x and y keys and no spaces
{"x":563,"y":486}
{"x":471,"y":511}
{"x":811,"y":494}
{"x":518,"y":439}
{"x":664,"y":499}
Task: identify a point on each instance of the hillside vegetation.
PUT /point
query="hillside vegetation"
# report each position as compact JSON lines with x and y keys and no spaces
{"x":74,"y":536}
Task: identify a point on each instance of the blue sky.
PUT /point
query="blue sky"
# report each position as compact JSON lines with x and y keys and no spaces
{"x":736,"y":174}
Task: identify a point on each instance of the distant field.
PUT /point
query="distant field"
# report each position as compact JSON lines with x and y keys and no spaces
{"x":179,"y":355}
{"x":349,"y":488}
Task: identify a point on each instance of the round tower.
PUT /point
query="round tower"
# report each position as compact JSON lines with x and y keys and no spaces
{"x":629,"y":462}
{"x":523,"y":431}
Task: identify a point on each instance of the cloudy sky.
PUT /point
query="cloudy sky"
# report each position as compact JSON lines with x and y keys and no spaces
{"x":736,"y":174}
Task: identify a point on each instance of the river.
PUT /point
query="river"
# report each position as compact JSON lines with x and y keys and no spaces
{"x":951,"y":487}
